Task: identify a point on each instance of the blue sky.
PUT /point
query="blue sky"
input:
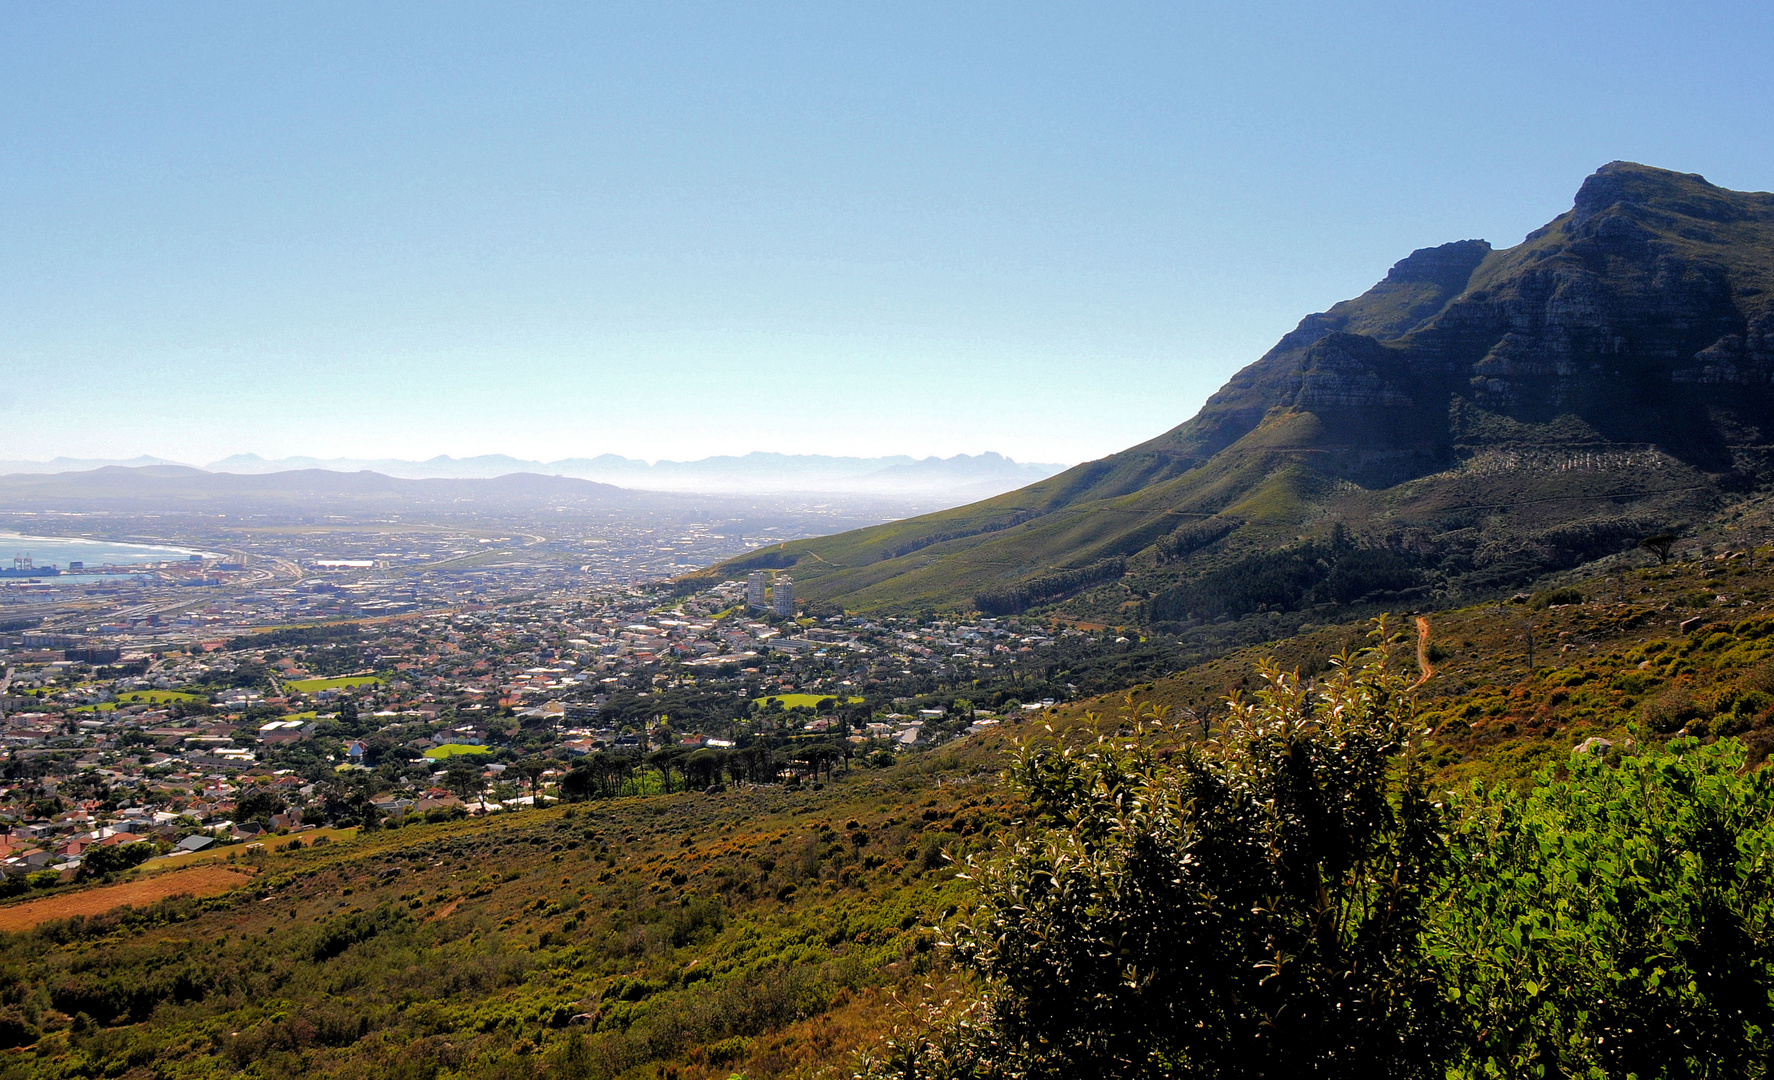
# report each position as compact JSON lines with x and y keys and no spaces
{"x":672,"y":230}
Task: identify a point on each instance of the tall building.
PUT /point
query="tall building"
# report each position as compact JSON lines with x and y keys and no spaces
{"x":754,"y":589}
{"x":783,"y":600}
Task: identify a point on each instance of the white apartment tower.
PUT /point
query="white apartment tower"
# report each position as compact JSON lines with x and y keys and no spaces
{"x":754,"y":589}
{"x":783,"y":598}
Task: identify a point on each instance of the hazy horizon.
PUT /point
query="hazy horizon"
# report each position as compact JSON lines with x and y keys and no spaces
{"x":242,"y":456}
{"x":554,"y":231}
{"x":954,"y":479}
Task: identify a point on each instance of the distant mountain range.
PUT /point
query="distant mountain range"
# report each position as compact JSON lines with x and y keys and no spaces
{"x":68,"y":464}
{"x":176,"y":488}
{"x":1476,"y":419}
{"x":961,"y":477}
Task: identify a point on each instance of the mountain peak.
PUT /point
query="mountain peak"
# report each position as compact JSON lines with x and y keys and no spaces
{"x":1631,"y":185}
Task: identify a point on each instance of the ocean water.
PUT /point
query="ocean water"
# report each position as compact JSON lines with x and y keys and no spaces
{"x":59,"y":551}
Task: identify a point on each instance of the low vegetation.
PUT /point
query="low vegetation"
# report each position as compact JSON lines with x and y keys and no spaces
{"x":1337,"y":573}
{"x":763,"y":931}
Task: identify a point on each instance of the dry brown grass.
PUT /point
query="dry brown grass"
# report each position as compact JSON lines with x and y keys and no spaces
{"x":197,"y":881}
{"x":232,"y":852}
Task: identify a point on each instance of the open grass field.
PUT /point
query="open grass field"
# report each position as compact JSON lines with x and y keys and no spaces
{"x":310,"y":686}
{"x":144,"y":697}
{"x":158,"y":697}
{"x":172,"y":864}
{"x":197,"y":881}
{"x":450,"y":750}
{"x":798,"y":701}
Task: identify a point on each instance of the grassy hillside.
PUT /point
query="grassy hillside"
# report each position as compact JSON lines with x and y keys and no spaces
{"x":1610,"y":659}
{"x":765,"y":932}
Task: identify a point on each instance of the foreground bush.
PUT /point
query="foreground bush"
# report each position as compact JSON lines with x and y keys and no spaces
{"x":1619,"y":922}
{"x":1287,"y":901}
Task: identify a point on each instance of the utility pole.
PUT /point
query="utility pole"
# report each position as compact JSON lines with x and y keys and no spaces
{"x":1530,"y":646}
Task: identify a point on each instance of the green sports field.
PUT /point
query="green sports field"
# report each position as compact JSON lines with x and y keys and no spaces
{"x":310,"y":686}
{"x":799,"y":701}
{"x":159,"y":697}
{"x":450,"y":750}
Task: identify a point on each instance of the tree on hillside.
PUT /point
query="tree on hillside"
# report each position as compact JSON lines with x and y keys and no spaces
{"x":579,"y":783}
{"x":1660,"y":545}
{"x":258,"y":804}
{"x":1250,"y":909}
{"x":1615,"y":918}
{"x":702,"y":768}
{"x":617,"y":770}
{"x":819,"y":757}
{"x":754,"y":762}
{"x":99,"y":861}
{"x":530,"y":769}
{"x":462,"y":776}
{"x":666,"y":760}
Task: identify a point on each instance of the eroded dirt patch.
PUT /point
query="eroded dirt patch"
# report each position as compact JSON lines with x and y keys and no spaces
{"x":197,"y":881}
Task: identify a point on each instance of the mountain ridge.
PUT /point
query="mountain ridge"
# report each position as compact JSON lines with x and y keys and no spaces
{"x":758,"y":471}
{"x":1488,"y":414}
{"x":170,"y":486}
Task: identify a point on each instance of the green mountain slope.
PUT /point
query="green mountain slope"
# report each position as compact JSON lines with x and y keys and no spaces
{"x":1479,"y":417}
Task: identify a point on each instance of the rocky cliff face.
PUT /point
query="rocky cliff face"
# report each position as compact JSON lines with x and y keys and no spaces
{"x":1643,"y":311}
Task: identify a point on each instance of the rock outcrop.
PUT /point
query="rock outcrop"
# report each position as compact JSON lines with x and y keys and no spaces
{"x":1644,"y":311}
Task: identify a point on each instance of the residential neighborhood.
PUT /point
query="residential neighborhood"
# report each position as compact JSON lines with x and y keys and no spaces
{"x":181,"y":742}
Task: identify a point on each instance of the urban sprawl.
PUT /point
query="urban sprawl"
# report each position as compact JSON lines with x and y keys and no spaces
{"x":166,"y":727}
